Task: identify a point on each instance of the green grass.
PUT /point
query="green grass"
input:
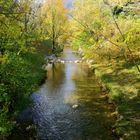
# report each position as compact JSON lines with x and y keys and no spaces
{"x":123,"y":81}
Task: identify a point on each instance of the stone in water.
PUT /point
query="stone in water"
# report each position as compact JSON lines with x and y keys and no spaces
{"x":74,"y":106}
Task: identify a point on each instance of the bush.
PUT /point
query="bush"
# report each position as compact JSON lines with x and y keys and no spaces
{"x":20,"y":75}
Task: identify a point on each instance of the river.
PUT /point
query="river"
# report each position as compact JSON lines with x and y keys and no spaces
{"x":70,"y":104}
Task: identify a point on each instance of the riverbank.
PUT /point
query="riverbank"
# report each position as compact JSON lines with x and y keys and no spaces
{"x":21,"y":75}
{"x":123,"y":83}
{"x":111,"y":38}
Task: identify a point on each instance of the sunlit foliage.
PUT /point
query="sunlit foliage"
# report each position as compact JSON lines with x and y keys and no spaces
{"x":20,"y":64}
{"x":108,"y":32}
{"x":55,"y":22}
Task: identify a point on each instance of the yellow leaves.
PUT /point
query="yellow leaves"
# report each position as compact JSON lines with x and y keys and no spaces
{"x":91,"y":40}
{"x":54,"y":20}
{"x":118,"y":2}
{"x":3,"y":59}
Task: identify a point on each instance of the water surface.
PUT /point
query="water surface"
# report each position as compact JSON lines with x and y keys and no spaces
{"x":70,"y":105}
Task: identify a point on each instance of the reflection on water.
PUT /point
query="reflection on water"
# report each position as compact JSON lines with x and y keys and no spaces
{"x":70,"y":85}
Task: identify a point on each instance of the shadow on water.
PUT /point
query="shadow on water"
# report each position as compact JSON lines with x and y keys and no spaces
{"x":70,"y":105}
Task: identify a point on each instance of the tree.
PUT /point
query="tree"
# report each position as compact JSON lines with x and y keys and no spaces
{"x":20,"y":64}
{"x":54,"y":16}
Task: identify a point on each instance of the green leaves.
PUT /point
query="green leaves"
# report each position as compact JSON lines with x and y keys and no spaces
{"x":19,"y":77}
{"x":20,"y":64}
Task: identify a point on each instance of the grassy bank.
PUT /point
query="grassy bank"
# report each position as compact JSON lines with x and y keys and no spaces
{"x":110,"y":39}
{"x":20,"y":75}
{"x":123,"y":81}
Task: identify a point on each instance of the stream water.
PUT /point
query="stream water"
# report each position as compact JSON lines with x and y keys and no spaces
{"x":70,"y":104}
